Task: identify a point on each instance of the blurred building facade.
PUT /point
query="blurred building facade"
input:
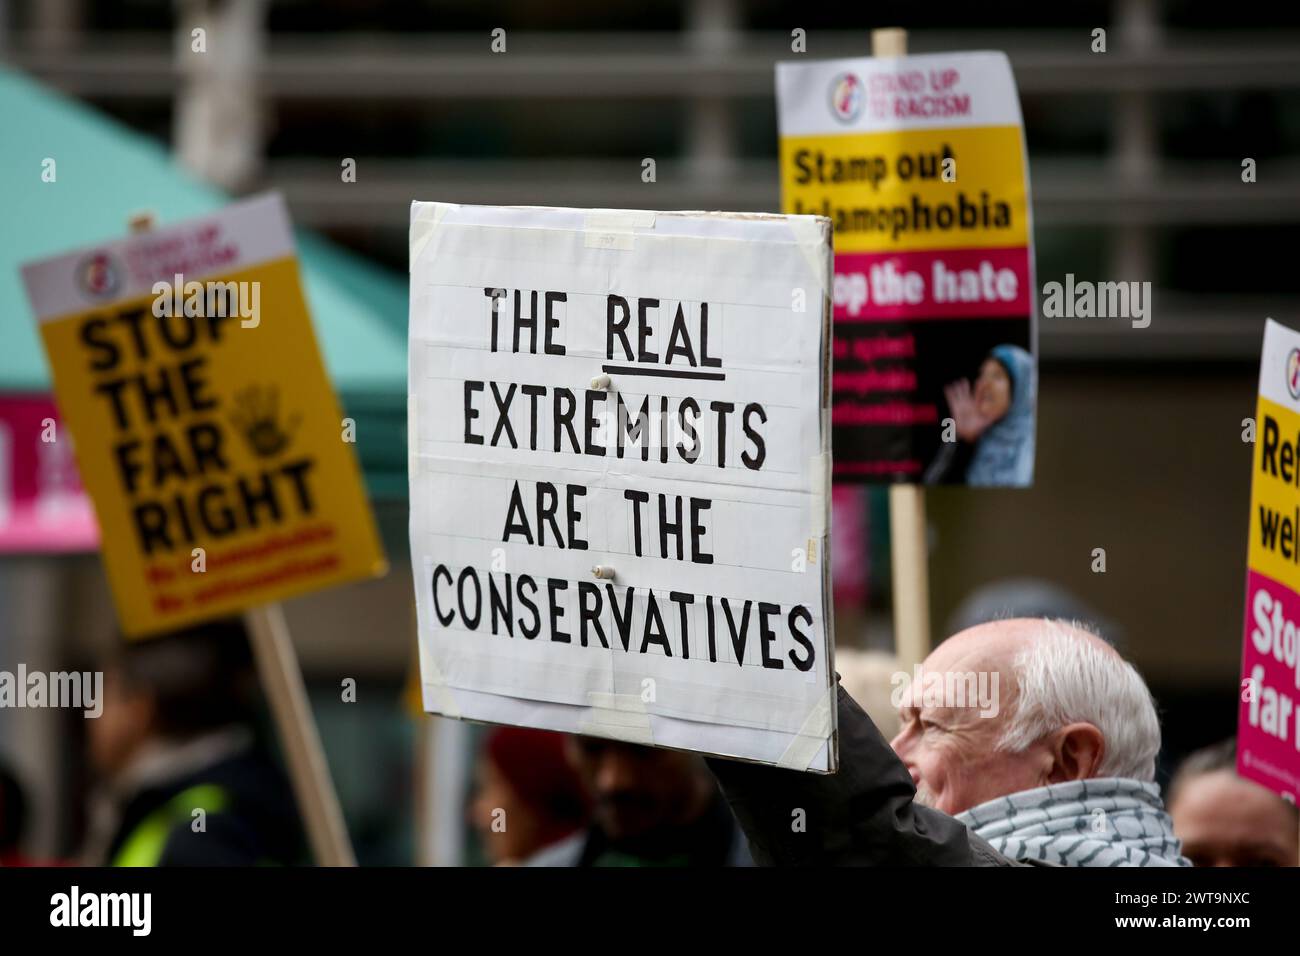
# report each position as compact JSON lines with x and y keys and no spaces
{"x":1136,"y":166}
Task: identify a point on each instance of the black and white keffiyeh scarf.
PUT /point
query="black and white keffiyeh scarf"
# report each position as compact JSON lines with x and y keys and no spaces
{"x":1109,"y":821}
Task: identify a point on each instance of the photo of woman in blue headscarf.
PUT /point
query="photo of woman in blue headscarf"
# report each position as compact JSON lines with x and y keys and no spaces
{"x":997,"y":417}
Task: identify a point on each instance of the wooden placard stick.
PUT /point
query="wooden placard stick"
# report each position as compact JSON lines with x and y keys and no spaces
{"x":277,"y":665}
{"x":909,"y":550}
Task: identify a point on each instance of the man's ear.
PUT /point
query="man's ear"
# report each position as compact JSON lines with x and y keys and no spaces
{"x":1077,"y":751}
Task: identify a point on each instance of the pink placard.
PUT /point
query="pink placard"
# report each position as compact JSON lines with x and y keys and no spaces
{"x":1268,"y":723}
{"x":42,"y":505}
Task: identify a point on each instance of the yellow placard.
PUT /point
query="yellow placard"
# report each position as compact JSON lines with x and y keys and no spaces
{"x":911,"y":190}
{"x":212,"y":444}
{"x":1274,"y":548}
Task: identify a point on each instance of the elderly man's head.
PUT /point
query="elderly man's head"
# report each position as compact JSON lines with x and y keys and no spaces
{"x":1068,"y":708}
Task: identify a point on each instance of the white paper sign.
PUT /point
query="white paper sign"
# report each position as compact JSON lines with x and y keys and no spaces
{"x":619,"y":466}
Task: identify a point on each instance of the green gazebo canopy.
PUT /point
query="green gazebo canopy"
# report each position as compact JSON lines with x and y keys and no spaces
{"x":104,"y":173}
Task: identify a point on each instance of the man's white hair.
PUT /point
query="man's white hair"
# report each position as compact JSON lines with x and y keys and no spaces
{"x":1062,"y":678}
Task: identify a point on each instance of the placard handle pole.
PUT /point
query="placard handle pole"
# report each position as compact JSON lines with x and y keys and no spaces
{"x":287,"y":695}
{"x":909,"y":551}
{"x":910,"y":564}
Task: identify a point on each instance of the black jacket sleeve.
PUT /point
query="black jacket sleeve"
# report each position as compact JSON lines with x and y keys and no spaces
{"x":864,"y":815}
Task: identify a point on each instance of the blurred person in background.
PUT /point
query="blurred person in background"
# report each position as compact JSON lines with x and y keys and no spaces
{"x":1006,"y":598}
{"x":527,"y":795}
{"x":177,"y":736}
{"x":13,"y":819}
{"x":869,"y":678}
{"x":1225,"y":820}
{"x":650,"y":807}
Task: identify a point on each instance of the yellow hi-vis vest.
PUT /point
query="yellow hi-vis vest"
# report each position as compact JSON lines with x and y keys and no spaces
{"x":145,"y":845}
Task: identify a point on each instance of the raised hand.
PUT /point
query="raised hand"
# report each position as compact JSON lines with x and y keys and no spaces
{"x":970,"y":421}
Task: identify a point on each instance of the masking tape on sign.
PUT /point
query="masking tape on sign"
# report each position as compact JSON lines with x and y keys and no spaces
{"x":608,"y":240}
{"x":818,"y":469}
{"x":412,"y":435}
{"x":618,"y":220}
{"x":810,"y":235}
{"x":424,"y":221}
{"x":811,"y":736}
{"x":437,"y":695}
{"x":620,"y":716}
{"x":613,"y":228}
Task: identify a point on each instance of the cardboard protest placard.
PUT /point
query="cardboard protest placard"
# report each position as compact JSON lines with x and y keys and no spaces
{"x":1268,"y":726}
{"x":920,"y":164}
{"x":204,"y":424}
{"x":619,"y":449}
